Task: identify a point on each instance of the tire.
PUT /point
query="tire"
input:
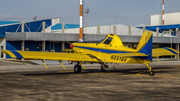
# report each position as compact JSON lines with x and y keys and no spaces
{"x":151,"y":73}
{"x":106,"y":66}
{"x":77,"y":68}
{"x":102,"y":68}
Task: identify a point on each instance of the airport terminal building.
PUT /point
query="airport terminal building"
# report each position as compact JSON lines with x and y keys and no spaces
{"x":52,"y":36}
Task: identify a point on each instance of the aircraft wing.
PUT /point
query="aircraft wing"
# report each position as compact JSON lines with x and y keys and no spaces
{"x":131,"y":54}
{"x":163,"y":52}
{"x":48,"y":55}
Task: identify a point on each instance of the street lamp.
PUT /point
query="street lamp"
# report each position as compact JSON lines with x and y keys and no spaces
{"x":87,"y":11}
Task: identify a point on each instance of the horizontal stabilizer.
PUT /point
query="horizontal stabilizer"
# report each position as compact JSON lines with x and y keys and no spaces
{"x":164,"y":52}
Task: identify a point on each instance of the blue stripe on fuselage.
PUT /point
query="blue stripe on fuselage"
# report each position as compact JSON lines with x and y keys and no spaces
{"x":110,"y":51}
{"x":101,"y":50}
{"x":16,"y":54}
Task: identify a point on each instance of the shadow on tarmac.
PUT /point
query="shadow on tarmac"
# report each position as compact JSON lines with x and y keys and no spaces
{"x":116,"y":71}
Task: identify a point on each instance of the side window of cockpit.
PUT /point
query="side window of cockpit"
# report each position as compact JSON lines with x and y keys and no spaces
{"x":108,"y":40}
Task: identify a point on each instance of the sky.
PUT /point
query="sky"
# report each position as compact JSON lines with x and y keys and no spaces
{"x":103,"y":12}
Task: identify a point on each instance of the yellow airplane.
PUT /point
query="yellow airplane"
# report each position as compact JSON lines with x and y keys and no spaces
{"x":109,"y":50}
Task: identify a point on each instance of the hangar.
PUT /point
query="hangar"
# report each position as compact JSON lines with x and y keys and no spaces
{"x":16,"y":35}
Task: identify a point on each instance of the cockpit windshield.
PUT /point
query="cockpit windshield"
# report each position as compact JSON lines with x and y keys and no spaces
{"x":108,"y":40}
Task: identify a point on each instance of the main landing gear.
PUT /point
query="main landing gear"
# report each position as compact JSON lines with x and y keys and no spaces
{"x":150,"y":70}
{"x":77,"y":68}
{"x":104,"y":68}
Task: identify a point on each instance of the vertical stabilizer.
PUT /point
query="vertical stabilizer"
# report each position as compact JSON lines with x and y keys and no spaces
{"x":145,"y":44}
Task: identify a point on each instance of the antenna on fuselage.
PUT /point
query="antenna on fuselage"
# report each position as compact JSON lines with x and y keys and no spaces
{"x":67,"y":41}
{"x":128,"y":44}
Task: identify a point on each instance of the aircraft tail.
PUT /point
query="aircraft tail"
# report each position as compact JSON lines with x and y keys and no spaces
{"x":145,"y":45}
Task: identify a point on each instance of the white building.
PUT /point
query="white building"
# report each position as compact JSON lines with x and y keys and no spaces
{"x":169,"y":19}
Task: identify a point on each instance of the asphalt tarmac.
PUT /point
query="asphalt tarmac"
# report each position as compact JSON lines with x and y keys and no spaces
{"x":32,"y":82}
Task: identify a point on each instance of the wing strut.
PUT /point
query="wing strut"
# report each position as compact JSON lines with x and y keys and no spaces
{"x":130,"y":65}
{"x":44,"y":64}
{"x":157,"y":59}
{"x":82,"y":65}
{"x":62,"y":64}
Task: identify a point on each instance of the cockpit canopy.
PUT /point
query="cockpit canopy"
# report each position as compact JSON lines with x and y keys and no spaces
{"x":108,"y":40}
{"x":112,"y":40}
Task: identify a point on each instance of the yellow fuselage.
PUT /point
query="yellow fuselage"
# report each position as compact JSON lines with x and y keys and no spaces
{"x":106,"y":53}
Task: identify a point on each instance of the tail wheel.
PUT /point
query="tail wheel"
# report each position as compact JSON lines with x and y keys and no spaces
{"x":77,"y":68}
{"x":150,"y":70}
{"x":151,"y":73}
{"x":103,"y":68}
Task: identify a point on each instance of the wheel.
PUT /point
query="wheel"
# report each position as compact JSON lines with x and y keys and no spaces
{"x":77,"y":68}
{"x":151,"y":73}
{"x":103,"y":68}
{"x":106,"y":66}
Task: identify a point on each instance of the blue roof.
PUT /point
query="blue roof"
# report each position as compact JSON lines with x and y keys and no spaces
{"x":67,"y":26}
{"x":34,"y":26}
{"x":8,"y":22}
{"x":161,"y":27}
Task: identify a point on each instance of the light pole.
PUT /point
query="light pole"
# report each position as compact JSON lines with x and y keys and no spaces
{"x":87,"y":11}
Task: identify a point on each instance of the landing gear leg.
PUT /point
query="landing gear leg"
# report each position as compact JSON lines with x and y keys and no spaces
{"x":104,"y":68}
{"x":77,"y":68}
{"x":150,"y":70}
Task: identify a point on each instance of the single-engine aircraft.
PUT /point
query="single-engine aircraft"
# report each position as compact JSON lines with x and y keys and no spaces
{"x":109,"y":50}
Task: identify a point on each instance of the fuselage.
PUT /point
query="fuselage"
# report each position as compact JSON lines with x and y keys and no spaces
{"x":110,"y":44}
{"x":106,"y":50}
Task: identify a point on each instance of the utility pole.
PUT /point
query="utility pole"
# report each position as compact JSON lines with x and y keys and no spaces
{"x":87,"y":11}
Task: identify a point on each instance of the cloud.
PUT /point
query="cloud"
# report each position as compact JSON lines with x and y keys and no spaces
{"x":10,"y":17}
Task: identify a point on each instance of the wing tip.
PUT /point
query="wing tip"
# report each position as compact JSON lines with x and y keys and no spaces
{"x":172,"y":50}
{"x":8,"y":52}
